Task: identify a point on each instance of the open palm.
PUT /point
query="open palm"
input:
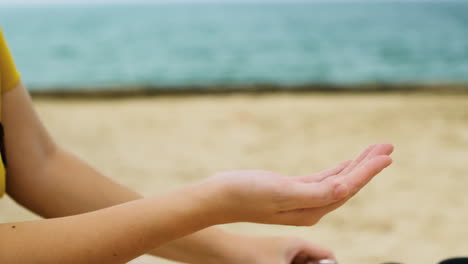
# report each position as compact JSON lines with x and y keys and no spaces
{"x":268,"y":197}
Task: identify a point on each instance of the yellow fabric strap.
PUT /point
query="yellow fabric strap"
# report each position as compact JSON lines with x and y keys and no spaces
{"x":9,"y":75}
{"x":9,"y":78}
{"x":2,"y":179}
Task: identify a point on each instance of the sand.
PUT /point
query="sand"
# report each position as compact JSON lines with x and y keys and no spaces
{"x":414,"y":212}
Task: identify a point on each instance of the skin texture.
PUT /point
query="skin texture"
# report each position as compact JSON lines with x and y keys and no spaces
{"x":95,"y":220}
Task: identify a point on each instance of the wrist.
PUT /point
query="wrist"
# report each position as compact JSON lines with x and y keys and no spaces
{"x":207,"y":202}
{"x":190,"y":208}
{"x":213,"y":196}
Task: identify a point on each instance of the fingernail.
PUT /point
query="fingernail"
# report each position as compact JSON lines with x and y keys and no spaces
{"x":327,"y":261}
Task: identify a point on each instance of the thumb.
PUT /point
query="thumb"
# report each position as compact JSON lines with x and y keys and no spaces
{"x":311,"y":253}
{"x":309,"y":195}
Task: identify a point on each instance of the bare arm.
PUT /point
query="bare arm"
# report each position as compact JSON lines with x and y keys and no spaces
{"x":52,"y":182}
{"x":112,"y":235}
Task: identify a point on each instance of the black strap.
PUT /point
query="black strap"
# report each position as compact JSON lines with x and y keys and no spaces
{"x":455,"y":261}
{"x":2,"y":146}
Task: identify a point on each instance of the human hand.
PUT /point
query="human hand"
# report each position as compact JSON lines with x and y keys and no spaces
{"x":279,"y":250}
{"x":271,"y":198}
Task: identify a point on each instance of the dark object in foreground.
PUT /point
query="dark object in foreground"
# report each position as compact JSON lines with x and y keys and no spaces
{"x":447,"y":261}
{"x":455,"y":261}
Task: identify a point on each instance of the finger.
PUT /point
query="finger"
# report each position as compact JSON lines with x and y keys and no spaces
{"x":298,"y":217}
{"x":378,"y":149}
{"x":309,"y":195}
{"x":300,"y":195}
{"x":366,"y":173}
{"x":360,"y":158}
{"x":325,"y":173}
{"x":381,"y":149}
{"x":315,"y":252}
{"x":357,"y":179}
{"x":347,"y":166}
{"x":300,"y":258}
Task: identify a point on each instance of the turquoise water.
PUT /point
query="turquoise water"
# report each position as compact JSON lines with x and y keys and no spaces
{"x":281,"y":43}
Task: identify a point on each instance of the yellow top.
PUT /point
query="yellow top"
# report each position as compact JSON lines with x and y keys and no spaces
{"x":9,"y":78}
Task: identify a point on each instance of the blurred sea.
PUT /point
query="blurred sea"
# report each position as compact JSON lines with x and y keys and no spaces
{"x":239,"y":43}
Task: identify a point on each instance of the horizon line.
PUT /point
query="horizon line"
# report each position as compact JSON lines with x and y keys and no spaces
{"x":23,"y":3}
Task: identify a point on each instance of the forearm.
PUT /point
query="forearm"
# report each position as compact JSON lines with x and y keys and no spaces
{"x":112,"y":235}
{"x":39,"y":172}
{"x":208,"y":246}
{"x":82,"y":189}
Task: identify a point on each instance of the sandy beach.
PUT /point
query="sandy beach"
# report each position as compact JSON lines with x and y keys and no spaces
{"x":414,"y":212}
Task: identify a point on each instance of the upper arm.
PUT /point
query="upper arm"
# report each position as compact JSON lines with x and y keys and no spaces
{"x":38,"y":171}
{"x":27,"y":142}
